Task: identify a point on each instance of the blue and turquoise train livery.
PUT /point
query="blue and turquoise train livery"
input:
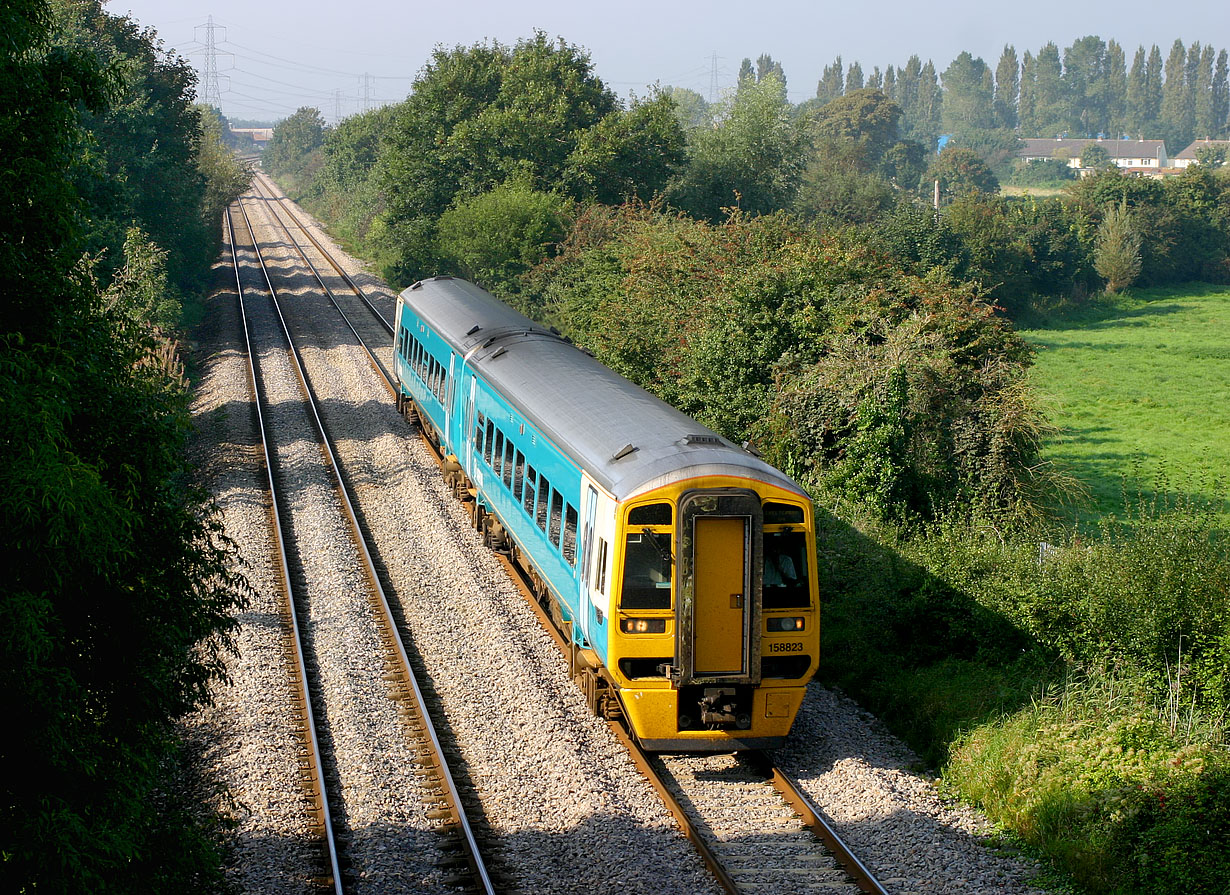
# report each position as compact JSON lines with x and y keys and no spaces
{"x":681,"y":567}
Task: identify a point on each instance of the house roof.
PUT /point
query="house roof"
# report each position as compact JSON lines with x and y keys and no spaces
{"x":1050,"y":148}
{"x":1190,"y":151}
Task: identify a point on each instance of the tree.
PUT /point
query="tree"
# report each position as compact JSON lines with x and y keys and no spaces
{"x":961,"y":172}
{"x":1221,"y":97}
{"x":859,"y":127}
{"x":295,"y":141}
{"x":494,"y":238}
{"x":1137,"y":111}
{"x":832,"y":83}
{"x":691,"y":109}
{"x":968,"y":96}
{"x":1117,"y":249}
{"x":1116,"y":89}
{"x":854,"y":77}
{"x":1211,"y":156}
{"x":1094,"y":155}
{"x":1177,"y":110}
{"x":752,"y":160}
{"x":1051,"y":114}
{"x":118,"y":587}
{"x":629,"y":154}
{"x":1205,"y":119}
{"x":1007,"y":88}
{"x":1086,"y":84}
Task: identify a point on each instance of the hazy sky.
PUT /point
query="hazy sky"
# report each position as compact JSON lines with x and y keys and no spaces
{"x":276,"y":55}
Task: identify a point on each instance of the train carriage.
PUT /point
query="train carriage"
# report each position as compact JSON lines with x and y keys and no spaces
{"x":681,"y":567}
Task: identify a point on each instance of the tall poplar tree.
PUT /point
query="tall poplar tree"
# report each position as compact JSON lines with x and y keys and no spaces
{"x":1085,"y":86}
{"x":1221,"y":97}
{"x":1027,"y":114}
{"x":967,"y":96}
{"x":1116,"y":88}
{"x":1205,"y":125}
{"x":1007,"y":88}
{"x":1176,"y":125}
{"x":854,"y":77}
{"x":832,"y":82}
{"x":1153,"y":89}
{"x":1136,"y":115}
{"x":1051,"y":115}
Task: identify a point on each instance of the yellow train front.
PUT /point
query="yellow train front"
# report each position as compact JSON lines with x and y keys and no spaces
{"x":716,"y":617}
{"x":681,"y":567}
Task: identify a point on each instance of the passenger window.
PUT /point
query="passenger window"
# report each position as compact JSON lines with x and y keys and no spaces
{"x":557,"y":512}
{"x":785,"y":570}
{"x":569,"y":547}
{"x":528,"y":496}
{"x":544,"y":494}
{"x":498,"y":458}
{"x":508,"y":464}
{"x":518,"y":475}
{"x":647,"y":571}
{"x":490,"y":441}
{"x":478,"y":435}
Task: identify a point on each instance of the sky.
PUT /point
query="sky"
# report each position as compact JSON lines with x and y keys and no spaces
{"x":275,"y":56}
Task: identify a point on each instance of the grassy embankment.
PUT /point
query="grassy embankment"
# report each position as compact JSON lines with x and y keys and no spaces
{"x":1074,"y":680}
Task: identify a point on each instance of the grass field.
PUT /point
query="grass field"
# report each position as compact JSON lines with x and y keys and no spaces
{"x":1140,"y":388}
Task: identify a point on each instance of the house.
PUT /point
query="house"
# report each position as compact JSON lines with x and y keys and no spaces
{"x":1137,"y":156}
{"x":1188,"y":155}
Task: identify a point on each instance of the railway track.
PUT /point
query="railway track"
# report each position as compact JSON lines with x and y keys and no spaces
{"x":446,"y":853}
{"x":800,"y":853}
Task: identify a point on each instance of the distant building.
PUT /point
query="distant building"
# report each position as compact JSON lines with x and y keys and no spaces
{"x":1188,"y":155}
{"x":260,"y":135}
{"x":1137,"y":156}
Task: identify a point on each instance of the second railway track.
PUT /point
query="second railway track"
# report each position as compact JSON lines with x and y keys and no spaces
{"x":375,"y":735}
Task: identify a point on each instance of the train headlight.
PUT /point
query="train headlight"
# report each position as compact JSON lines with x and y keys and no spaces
{"x":781,"y":625}
{"x":643,"y":625}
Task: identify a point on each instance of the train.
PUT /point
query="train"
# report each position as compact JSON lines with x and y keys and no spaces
{"x":679,"y":566}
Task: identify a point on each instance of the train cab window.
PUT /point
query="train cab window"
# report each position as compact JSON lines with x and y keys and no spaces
{"x":527,"y":498}
{"x":600,"y":570}
{"x":782,"y":514}
{"x":544,"y":494}
{"x":497,"y":458}
{"x":569,"y":547}
{"x":785,"y":570}
{"x":508,"y":464}
{"x":557,"y":513}
{"x":647,"y":570}
{"x":518,"y":476}
{"x":650,"y":514}
{"x":489,"y":442}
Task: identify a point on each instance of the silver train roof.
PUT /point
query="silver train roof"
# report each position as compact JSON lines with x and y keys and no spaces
{"x":628,"y":440}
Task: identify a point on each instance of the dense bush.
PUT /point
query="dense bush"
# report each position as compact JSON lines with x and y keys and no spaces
{"x":119,"y":585}
{"x":903,"y":394}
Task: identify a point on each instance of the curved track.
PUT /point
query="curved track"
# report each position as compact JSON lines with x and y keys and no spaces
{"x":809,"y":856}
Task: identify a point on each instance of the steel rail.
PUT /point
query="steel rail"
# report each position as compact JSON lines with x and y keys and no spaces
{"x":316,"y":765}
{"x":373,"y":359}
{"x":325,"y":253}
{"x":813,"y":815}
{"x":452,"y":795}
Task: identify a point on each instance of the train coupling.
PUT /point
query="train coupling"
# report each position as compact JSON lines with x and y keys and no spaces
{"x":719,"y":706}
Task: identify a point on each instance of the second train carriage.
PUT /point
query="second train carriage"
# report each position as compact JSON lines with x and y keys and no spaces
{"x":681,"y":566}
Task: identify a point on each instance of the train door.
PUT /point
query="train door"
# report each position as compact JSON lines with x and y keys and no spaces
{"x":719,"y":612}
{"x":597,"y":534}
{"x":467,"y":433}
{"x":448,"y":393}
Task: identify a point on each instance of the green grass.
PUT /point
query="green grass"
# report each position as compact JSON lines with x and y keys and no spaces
{"x":1139,"y":386}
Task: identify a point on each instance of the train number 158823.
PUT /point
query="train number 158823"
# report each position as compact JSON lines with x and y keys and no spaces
{"x":791,"y":647}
